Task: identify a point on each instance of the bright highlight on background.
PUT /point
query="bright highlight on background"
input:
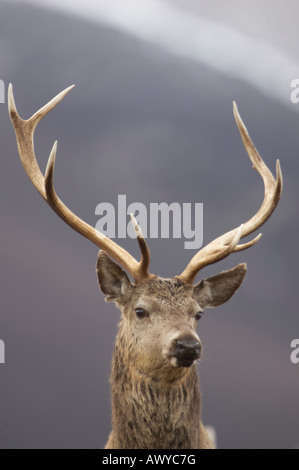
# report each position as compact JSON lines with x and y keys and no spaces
{"x":192,"y":36}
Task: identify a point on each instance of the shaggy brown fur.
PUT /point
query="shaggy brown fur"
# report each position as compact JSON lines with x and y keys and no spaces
{"x":155,"y":401}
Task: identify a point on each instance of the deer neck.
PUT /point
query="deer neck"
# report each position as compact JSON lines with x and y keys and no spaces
{"x":150,"y":413}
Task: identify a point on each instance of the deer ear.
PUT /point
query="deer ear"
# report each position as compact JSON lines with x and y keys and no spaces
{"x":218,"y":289}
{"x":112,"y":279}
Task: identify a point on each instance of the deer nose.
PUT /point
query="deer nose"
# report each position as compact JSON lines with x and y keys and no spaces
{"x":187,"y":350}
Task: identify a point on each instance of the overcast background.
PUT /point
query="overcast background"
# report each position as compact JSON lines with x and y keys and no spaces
{"x":150,"y":117}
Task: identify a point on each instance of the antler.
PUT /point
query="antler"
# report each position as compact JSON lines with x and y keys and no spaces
{"x":226,"y":244}
{"x":24,"y":130}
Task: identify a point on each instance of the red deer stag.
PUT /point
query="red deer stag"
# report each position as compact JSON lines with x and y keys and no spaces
{"x":155,"y":387}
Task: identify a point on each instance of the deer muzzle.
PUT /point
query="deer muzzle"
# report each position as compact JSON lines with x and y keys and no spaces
{"x":185,"y":350}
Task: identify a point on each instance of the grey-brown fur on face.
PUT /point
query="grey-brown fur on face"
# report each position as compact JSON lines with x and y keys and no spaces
{"x":156,"y":400}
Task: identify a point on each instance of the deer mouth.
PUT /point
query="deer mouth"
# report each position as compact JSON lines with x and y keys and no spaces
{"x":183,"y":361}
{"x":186,"y":360}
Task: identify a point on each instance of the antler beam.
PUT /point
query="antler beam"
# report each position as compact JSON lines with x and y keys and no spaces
{"x":226,"y":244}
{"x":24,"y":130}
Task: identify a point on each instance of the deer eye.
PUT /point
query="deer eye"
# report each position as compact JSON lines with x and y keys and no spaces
{"x":141,"y":313}
{"x":198,"y":316}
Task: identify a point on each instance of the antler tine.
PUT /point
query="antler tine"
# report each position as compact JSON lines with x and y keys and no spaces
{"x":223,"y":246}
{"x":24,"y":130}
{"x":272,"y":187}
{"x":146,"y":256}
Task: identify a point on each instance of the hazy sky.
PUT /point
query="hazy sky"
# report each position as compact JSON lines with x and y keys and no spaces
{"x":188,"y":33}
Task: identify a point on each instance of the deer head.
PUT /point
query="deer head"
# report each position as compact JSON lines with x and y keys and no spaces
{"x":159,"y":316}
{"x":155,"y":311}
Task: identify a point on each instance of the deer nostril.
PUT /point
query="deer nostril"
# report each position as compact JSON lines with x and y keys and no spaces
{"x":179,"y":344}
{"x":188,"y":344}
